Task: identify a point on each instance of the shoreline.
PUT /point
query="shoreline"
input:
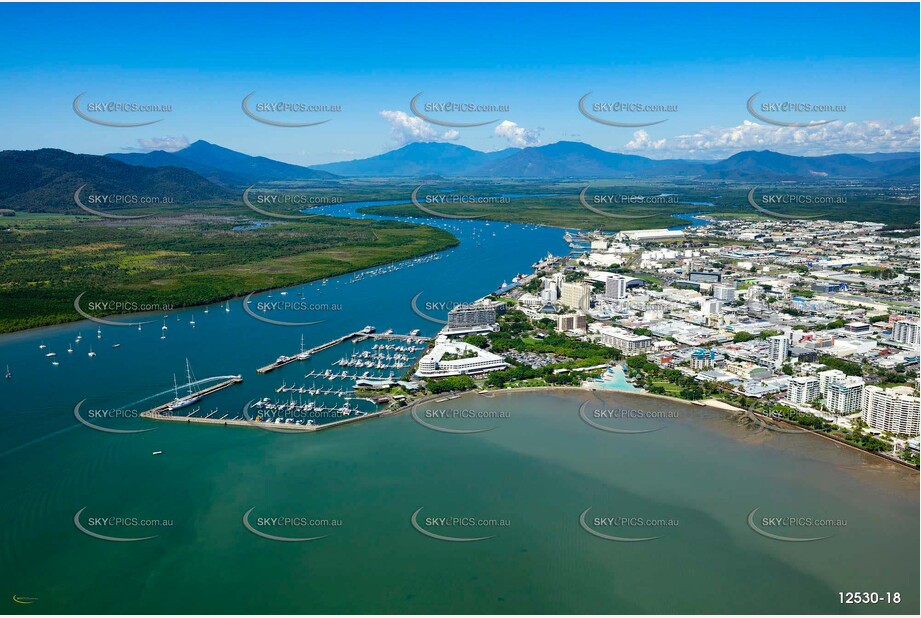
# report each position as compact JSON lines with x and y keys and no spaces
{"x":217,"y":300}
{"x":710,"y":402}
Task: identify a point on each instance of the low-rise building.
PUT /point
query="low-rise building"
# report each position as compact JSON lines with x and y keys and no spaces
{"x":624,"y":340}
{"x":453,"y":358}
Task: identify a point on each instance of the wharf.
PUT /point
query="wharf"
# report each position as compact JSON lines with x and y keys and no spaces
{"x":158,"y":412}
{"x":358,"y":336}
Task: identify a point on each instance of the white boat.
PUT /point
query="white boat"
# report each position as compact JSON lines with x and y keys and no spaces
{"x":50,"y":354}
{"x":157,"y":453}
{"x":42,"y":346}
{"x":55,"y":363}
{"x":116,"y":345}
{"x":8,"y":374}
{"x":70,"y":348}
{"x":91,"y":354}
{"x":98,"y":333}
{"x":182,"y":402}
{"x":304,"y":355}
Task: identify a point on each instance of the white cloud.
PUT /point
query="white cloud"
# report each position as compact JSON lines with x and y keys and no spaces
{"x":642,"y":141}
{"x":834,"y":137}
{"x":169,"y":144}
{"x":405,"y":129}
{"x":517,"y":136}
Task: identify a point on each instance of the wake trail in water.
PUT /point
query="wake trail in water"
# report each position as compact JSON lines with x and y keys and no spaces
{"x":64,"y":430}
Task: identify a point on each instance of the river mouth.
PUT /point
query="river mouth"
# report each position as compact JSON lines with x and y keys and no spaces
{"x":692,"y":474}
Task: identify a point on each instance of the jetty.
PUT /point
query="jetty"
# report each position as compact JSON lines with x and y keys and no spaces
{"x":357,"y":336}
{"x":162,"y":412}
{"x":243,"y":422}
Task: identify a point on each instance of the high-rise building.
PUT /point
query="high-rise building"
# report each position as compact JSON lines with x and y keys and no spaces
{"x":890,"y":411}
{"x":829,"y":377}
{"x":551,"y":292}
{"x":476,"y":317}
{"x":778,"y":350}
{"x":571,"y":321}
{"x":711,"y":306}
{"x":803,"y":389}
{"x":905,"y":331}
{"x":845,"y":396}
{"x":615,"y":287}
{"x":724,"y":293}
{"x":577,"y":295}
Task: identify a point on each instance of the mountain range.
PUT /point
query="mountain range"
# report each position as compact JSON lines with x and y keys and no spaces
{"x":578,"y":160}
{"x":45,"y":180}
{"x":222,"y":165}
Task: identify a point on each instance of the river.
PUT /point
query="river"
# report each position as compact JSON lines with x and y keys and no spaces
{"x":523,"y":483}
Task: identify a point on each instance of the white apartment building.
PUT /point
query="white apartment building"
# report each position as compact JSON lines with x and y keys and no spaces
{"x":845,"y":396}
{"x":803,"y":389}
{"x":711,"y":306}
{"x":615,"y":287}
{"x":891,"y":411}
{"x":905,"y":331}
{"x":724,"y":293}
{"x":829,"y":377}
{"x":778,"y":351}
{"x":624,"y":340}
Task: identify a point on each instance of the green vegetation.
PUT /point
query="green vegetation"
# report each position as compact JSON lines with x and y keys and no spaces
{"x":833,"y":362}
{"x":46,"y":261}
{"x":479,"y":341}
{"x":450,"y":383}
{"x":557,"y":203}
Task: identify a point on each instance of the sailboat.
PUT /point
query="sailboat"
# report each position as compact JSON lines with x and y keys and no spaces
{"x":70,"y":348}
{"x":42,"y":346}
{"x":8,"y":374}
{"x":227,"y":306}
{"x":304,"y":355}
{"x":99,"y":333}
{"x":181,"y":402}
{"x":91,"y":354}
{"x":192,"y":321}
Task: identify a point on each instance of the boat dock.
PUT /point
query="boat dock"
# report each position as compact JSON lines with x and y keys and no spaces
{"x":158,"y":412}
{"x":358,"y":336}
{"x":238,"y":421}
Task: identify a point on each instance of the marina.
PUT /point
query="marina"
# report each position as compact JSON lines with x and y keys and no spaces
{"x":357,"y":337}
{"x":157,"y":413}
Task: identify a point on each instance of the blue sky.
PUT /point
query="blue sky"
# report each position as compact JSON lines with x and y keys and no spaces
{"x":536,"y":59}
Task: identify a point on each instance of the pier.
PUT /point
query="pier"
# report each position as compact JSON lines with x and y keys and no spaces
{"x":158,"y":412}
{"x":357,"y":336}
{"x":242,"y":422}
